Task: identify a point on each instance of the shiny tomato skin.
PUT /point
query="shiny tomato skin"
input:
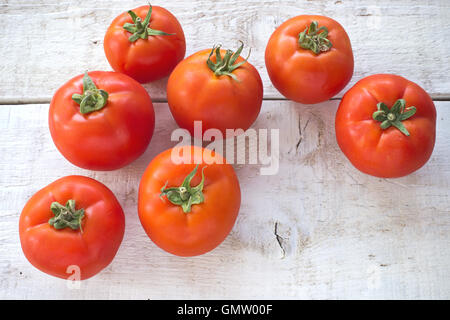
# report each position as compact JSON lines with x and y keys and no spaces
{"x":385,"y":153}
{"x":145,"y":60}
{"x":301,"y":75}
{"x":92,"y":249}
{"x":208,"y":224}
{"x":109,"y":138}
{"x":195,"y":93}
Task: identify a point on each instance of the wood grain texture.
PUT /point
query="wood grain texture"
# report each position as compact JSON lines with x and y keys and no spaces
{"x":47,"y":42}
{"x":317,"y":229}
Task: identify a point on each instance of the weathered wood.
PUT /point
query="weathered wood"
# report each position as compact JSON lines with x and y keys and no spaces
{"x":45,"y":43}
{"x":317,"y":229}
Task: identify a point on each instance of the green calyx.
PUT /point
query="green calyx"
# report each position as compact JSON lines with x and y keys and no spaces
{"x":92,"y":99}
{"x":66,"y":216}
{"x":314,"y":38}
{"x":394,"y":116}
{"x":185,"y":195}
{"x":140,"y":29}
{"x":226,"y":65}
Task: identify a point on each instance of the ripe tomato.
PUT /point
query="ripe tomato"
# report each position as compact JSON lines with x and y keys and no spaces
{"x":386,"y":126}
{"x":74,"y":221}
{"x":102,"y":121}
{"x":217,"y":87}
{"x":188,"y":209}
{"x":309,"y":59}
{"x":145,"y":43}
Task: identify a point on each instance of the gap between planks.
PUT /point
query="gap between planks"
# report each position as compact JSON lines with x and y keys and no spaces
{"x":7,"y":101}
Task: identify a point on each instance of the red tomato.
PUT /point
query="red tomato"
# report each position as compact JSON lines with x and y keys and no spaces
{"x":386,"y":126}
{"x":145,"y":43}
{"x":309,"y":59}
{"x":188,"y":210}
{"x":224,"y":94}
{"x":74,"y":221}
{"x":102,"y":121}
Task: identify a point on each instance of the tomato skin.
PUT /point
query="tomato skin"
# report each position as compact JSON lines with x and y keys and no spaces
{"x":301,"y":75}
{"x":53,"y":251}
{"x":208,"y":224}
{"x":385,"y":153}
{"x":195,"y":93}
{"x":150,"y":59}
{"x":109,"y":138}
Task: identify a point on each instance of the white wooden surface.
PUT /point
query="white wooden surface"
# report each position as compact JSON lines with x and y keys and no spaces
{"x":46,"y":42}
{"x":318,"y":229}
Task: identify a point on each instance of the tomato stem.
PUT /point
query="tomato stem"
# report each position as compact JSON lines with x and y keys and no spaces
{"x":225,"y":65}
{"x":92,"y":99}
{"x":314,"y":38}
{"x":66,"y":216}
{"x":185,"y":195}
{"x":141,"y":29}
{"x":394,"y":116}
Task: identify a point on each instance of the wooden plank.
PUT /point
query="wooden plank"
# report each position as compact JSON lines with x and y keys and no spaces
{"x":46,"y":43}
{"x":317,"y":229}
